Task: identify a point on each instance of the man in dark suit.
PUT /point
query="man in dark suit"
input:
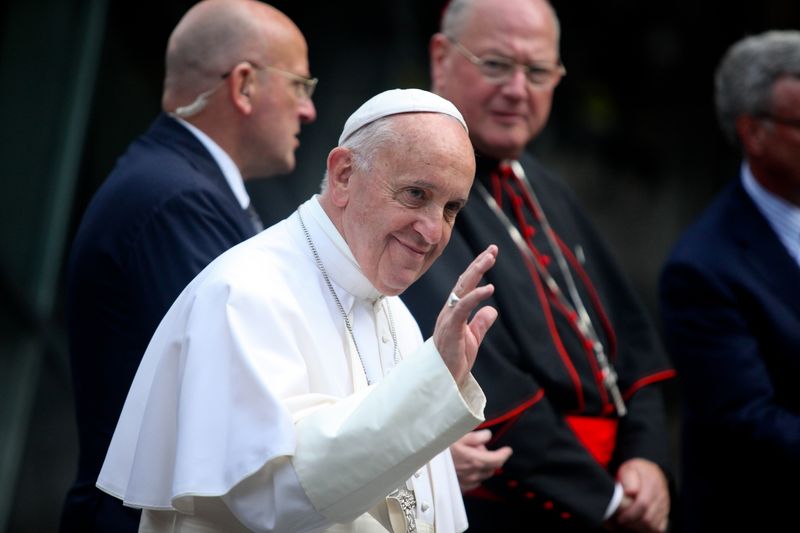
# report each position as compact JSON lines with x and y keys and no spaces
{"x":572,"y":364}
{"x":235,"y":94}
{"x":730,"y":300}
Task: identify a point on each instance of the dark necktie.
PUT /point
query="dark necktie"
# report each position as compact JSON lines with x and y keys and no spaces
{"x":254,"y":218}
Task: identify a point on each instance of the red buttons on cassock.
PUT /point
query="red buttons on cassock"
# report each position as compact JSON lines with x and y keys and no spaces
{"x":529,"y":231}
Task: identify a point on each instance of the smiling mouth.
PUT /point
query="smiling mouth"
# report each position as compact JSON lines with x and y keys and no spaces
{"x":412,"y":249}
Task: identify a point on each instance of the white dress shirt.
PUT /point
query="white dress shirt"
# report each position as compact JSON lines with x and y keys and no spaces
{"x":782,"y":215}
{"x":229,"y":169}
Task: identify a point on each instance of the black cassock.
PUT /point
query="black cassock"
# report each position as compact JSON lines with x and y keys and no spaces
{"x":541,"y":378}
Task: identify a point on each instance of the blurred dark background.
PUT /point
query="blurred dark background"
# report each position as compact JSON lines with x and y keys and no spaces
{"x":632,"y":130}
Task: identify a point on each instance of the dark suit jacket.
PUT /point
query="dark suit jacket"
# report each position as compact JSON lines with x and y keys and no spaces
{"x":162,"y":215}
{"x":730,"y":300}
{"x":551,"y":482}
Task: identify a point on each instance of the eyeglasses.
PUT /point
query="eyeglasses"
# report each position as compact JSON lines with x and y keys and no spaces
{"x":498,"y":69}
{"x":303,"y":87}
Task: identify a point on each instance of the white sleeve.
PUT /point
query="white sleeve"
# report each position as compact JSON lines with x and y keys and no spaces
{"x":256,"y":500}
{"x":352,"y":453}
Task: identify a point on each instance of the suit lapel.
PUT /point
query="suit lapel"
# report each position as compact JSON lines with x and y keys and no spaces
{"x":170,"y":132}
{"x":762,"y":250}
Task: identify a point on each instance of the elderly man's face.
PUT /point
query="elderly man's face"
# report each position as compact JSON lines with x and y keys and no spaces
{"x":783,"y":146}
{"x":502,"y":118}
{"x":772,"y":143}
{"x":398,"y":215}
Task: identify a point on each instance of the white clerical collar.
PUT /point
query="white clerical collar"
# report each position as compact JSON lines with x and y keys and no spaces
{"x":783,"y":216}
{"x":229,"y":169}
{"x":335,"y":254}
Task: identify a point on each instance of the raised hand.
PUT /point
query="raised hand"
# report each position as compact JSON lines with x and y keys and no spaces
{"x":456,"y":339}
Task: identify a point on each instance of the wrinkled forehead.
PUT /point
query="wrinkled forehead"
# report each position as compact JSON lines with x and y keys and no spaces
{"x":433,"y":133}
{"x":442,"y":150}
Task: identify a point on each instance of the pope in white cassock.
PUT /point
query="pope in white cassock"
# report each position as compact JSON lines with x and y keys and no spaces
{"x":288,"y":388}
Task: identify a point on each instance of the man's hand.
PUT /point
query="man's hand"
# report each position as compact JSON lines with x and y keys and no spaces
{"x":645,"y":505}
{"x":473,"y":461}
{"x":457,"y":340}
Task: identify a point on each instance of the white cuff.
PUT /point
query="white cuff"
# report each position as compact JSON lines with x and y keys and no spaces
{"x":616,"y":499}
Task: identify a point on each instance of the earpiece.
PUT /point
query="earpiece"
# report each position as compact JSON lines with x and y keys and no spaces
{"x":195,"y":107}
{"x":189,"y":110}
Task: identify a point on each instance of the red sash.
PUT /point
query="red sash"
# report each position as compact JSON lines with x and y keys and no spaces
{"x":598,"y":435}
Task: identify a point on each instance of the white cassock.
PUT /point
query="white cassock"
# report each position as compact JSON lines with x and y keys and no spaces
{"x":251,"y":410}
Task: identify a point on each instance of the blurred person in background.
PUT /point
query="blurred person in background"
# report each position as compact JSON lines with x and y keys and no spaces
{"x":575,"y":437}
{"x":236,"y":92}
{"x":730,"y":304}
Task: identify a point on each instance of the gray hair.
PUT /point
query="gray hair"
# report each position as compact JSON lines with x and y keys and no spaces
{"x":457,"y":11}
{"x":747,"y":72}
{"x":366,"y":143}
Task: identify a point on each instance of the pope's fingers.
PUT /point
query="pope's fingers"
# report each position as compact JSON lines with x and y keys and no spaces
{"x":460,"y":312}
{"x":482,"y":321}
{"x":469,"y":279}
